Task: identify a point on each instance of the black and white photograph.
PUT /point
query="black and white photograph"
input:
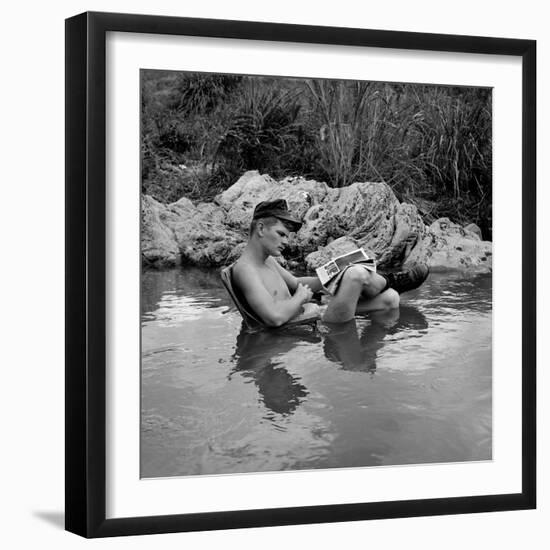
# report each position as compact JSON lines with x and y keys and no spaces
{"x":274,"y":275}
{"x":316,"y":273}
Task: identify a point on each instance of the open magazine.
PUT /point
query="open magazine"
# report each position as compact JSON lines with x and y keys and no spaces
{"x":329,"y":272}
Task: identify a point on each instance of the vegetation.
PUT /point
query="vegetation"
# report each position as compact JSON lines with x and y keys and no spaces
{"x":431,"y":144}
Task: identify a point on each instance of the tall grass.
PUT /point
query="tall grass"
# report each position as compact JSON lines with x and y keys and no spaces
{"x":431,"y":144}
{"x":262,"y":132}
{"x":341,"y":109}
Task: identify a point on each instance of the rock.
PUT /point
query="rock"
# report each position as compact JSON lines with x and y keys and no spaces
{"x":158,"y":244}
{"x":409,"y":229}
{"x":363,"y":211}
{"x":335,"y":221}
{"x":370,"y":215}
{"x":447,"y":245}
{"x":183,"y":232}
{"x":473,"y":228}
{"x":343,"y":212}
{"x":202,"y":236}
{"x":239,"y":201}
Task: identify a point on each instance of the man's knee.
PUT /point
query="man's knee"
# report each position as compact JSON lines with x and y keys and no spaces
{"x":390,"y":298}
{"x":357,"y":275}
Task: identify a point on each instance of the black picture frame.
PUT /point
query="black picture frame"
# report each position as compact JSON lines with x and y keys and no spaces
{"x":86,"y":274}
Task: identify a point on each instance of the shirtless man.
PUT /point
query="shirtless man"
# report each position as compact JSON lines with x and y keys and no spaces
{"x":277,"y":296}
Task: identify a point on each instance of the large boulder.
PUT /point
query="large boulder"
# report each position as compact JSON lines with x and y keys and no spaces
{"x":447,"y":245}
{"x":367,"y":215}
{"x":408,"y":230}
{"x":202,"y":236}
{"x":187,"y":233}
{"x":238,"y":202}
{"x":335,"y":221}
{"x":362,"y":211}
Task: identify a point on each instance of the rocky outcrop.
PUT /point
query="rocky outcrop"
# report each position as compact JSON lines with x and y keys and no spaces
{"x":239,"y":200}
{"x":447,"y":245}
{"x":363,"y":212}
{"x":158,"y":245}
{"x":202,"y":235}
{"x":335,"y":221}
{"x":185,"y":233}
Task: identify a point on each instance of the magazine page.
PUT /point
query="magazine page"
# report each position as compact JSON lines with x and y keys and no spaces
{"x":335,"y":266}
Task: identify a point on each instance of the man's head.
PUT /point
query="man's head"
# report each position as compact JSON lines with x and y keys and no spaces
{"x":269,"y":212}
{"x":271,"y":226}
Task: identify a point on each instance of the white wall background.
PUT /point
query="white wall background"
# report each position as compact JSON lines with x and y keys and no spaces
{"x":32,"y":272}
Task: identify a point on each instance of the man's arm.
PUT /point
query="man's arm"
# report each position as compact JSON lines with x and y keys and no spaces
{"x":312,"y":282}
{"x":292,"y":282}
{"x":273,"y":312}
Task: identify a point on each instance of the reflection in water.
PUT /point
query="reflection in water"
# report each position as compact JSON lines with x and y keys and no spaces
{"x":258,"y":355}
{"x":256,"y":358}
{"x":343,"y":345}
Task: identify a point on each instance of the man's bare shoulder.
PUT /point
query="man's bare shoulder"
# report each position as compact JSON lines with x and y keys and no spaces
{"x":272,"y":262}
{"x":244,"y":271}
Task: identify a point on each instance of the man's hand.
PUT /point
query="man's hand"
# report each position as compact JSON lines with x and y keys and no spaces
{"x":303,"y":293}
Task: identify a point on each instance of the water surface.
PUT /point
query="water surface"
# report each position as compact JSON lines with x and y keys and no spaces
{"x":409,"y":386}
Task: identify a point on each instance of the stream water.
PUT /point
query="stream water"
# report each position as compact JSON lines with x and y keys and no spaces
{"x":408,"y":386}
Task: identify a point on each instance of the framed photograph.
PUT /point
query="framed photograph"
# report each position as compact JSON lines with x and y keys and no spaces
{"x":214,"y":378}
